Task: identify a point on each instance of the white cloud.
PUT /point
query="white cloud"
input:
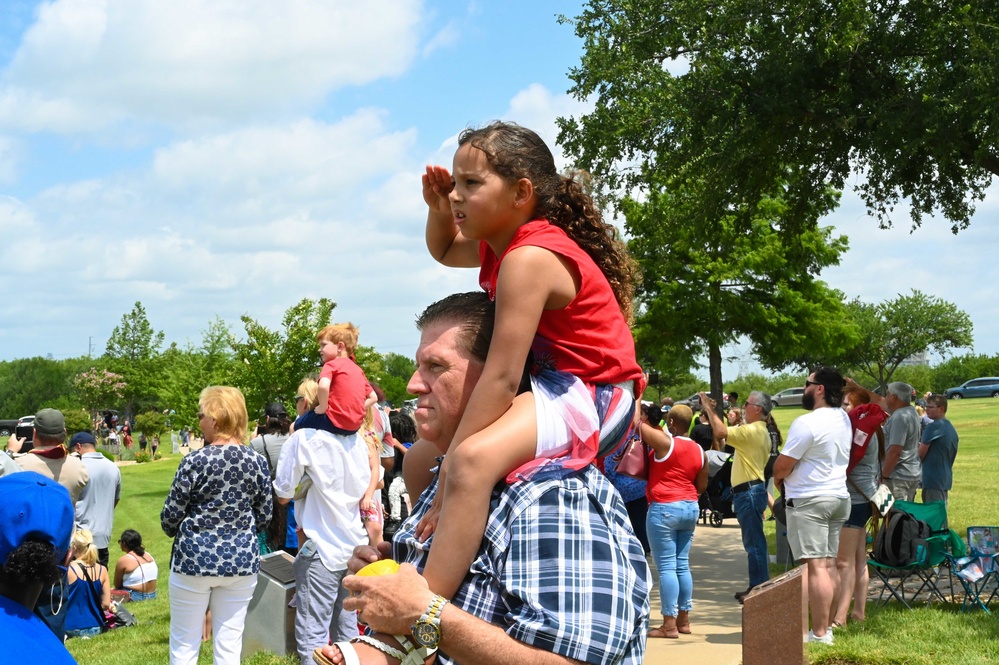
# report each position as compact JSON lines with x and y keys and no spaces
{"x":87,"y":64}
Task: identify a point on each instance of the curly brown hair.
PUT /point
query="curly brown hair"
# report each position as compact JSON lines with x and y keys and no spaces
{"x":516,"y":152}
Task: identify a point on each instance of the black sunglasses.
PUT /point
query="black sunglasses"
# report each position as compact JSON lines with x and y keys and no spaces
{"x":811,"y":383}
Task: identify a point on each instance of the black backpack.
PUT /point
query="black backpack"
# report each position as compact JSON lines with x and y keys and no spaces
{"x":901,"y":540}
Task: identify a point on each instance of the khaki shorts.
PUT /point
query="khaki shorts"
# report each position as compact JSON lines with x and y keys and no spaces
{"x":813,"y":526}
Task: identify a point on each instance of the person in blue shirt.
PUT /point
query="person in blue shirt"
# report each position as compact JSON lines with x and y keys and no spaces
{"x":937,"y":450}
{"x":36,"y":520}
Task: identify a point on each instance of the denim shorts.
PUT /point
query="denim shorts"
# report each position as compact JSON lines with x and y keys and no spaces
{"x":139,"y":595}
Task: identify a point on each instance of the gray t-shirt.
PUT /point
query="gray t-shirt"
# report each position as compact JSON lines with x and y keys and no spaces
{"x":95,"y":507}
{"x":902,"y":429}
{"x":865,"y":474}
{"x":269,"y":445}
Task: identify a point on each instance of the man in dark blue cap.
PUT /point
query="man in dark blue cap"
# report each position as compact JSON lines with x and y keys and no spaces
{"x":36,"y":522}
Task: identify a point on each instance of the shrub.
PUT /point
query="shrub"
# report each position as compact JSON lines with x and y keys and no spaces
{"x":142,"y":457}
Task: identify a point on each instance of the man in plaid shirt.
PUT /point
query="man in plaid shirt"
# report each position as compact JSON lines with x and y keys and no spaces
{"x":559,"y":578}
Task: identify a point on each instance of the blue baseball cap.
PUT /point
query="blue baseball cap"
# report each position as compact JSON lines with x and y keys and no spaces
{"x":80,"y":438}
{"x":34,"y":507}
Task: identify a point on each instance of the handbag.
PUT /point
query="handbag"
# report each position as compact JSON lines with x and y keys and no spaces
{"x":882,"y":500}
{"x":119,"y":617}
{"x":633,"y":459}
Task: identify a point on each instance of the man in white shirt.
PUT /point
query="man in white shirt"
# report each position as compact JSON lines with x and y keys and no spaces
{"x":331,"y":519}
{"x":811,"y":470}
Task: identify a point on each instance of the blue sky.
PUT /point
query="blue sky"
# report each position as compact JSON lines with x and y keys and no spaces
{"x":232,"y":158}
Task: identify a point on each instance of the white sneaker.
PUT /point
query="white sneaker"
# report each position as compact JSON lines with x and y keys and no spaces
{"x":825,"y":639}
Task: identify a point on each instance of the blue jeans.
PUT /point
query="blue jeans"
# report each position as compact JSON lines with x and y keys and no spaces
{"x":749,"y":507}
{"x":671,"y":530}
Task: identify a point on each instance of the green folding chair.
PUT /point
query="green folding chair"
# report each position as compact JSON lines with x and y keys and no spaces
{"x":939,"y":545}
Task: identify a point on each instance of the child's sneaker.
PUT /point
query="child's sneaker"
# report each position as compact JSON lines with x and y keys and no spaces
{"x":825,"y":639}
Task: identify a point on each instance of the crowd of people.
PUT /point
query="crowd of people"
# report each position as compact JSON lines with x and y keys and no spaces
{"x":518,"y":547}
{"x":74,"y":602}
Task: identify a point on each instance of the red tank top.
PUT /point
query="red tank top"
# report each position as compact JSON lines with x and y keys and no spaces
{"x":589,"y":338}
{"x":672,"y":479}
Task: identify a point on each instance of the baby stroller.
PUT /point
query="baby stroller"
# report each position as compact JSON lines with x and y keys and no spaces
{"x":716,"y":501}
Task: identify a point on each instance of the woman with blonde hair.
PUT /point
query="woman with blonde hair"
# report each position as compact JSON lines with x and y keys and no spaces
{"x":219,"y":501}
{"x":89,"y":592}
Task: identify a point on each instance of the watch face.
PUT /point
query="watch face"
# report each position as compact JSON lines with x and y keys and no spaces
{"x":426,"y":633}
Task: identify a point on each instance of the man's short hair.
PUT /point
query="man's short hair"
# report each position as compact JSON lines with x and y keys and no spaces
{"x":473,"y":312}
{"x":833,"y":382}
{"x":939,"y":401}
{"x":901,"y":390}
{"x":763,"y":399}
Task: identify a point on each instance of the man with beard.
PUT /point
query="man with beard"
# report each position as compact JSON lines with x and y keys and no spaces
{"x":811,"y":470}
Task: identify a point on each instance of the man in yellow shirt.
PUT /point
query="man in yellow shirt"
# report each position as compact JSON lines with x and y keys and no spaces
{"x":749,"y":491}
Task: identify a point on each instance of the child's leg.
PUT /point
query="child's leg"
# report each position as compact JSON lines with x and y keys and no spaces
{"x":374,"y":531}
{"x":475,"y":466}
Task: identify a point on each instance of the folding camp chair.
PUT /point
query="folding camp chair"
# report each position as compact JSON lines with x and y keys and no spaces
{"x":893,"y":579}
{"x":979,"y":571}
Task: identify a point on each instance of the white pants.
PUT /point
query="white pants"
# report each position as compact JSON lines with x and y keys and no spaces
{"x":396,"y":490}
{"x":190,"y":597}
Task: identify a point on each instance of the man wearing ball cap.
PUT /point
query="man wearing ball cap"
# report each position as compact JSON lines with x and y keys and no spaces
{"x":36,"y":522}
{"x":559,"y":577}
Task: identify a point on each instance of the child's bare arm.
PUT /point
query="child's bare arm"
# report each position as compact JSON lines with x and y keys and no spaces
{"x":444,"y":241}
{"x":322,"y":396}
{"x":370,"y":400}
{"x":373,"y":465}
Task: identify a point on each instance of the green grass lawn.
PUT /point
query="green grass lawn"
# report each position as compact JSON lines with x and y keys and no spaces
{"x":939,"y":635}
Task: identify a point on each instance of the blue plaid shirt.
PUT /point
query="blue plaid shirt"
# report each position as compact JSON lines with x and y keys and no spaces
{"x":559,"y":569}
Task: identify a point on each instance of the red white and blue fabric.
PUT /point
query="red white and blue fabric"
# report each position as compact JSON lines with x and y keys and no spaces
{"x":576,"y":424}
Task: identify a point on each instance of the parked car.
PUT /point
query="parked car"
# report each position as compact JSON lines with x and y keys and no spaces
{"x":788,"y":397}
{"x":694,"y":402}
{"x":986,"y":386}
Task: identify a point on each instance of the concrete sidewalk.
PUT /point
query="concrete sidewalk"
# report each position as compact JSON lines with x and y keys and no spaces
{"x":718,"y":564}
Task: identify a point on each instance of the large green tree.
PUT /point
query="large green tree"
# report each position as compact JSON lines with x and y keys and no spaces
{"x":709,"y":282}
{"x":750,"y":99}
{"x":134,"y":352}
{"x":269,"y":364}
{"x":896,"y":329}
{"x":190,"y":369}
{"x":30,"y":384}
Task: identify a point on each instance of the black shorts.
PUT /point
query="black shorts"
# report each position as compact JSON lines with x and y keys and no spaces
{"x":859,"y":514}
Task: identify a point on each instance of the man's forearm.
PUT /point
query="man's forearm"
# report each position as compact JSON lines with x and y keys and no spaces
{"x":468,"y":639}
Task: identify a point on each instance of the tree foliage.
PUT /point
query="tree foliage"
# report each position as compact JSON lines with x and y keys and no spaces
{"x":269,"y":364}
{"x":133,"y":351}
{"x":896,"y":329}
{"x":98,"y":389}
{"x":30,"y":384}
{"x":749,"y":100}
{"x":708,"y":282}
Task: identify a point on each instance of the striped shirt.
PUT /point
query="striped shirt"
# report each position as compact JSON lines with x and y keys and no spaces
{"x":559,"y":569}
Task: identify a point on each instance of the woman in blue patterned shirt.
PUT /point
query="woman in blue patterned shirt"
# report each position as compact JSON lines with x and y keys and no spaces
{"x":219,"y":501}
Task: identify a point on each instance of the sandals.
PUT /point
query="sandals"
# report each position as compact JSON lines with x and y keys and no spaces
{"x":411,"y":656}
{"x":661,"y":632}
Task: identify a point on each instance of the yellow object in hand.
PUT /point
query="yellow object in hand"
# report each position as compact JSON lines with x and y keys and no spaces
{"x":383,"y":567}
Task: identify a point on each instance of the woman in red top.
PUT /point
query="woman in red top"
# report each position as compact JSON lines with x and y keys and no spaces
{"x":677,"y":475}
